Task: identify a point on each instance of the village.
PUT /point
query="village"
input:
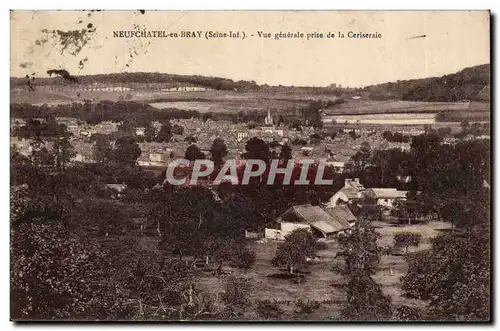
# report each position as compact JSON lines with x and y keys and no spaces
{"x":240,"y":166}
{"x":186,"y":223}
{"x":304,"y":142}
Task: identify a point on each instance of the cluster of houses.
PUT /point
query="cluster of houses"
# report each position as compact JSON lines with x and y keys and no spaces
{"x":334,"y":217}
{"x":337,"y":151}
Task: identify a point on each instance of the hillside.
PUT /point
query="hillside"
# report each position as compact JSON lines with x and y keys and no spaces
{"x":217,"y":83}
{"x":152,"y":80}
{"x":468,"y":84}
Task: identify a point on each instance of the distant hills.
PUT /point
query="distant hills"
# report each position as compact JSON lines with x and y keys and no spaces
{"x":468,"y":84}
{"x":216,"y":83}
{"x":471,"y":83}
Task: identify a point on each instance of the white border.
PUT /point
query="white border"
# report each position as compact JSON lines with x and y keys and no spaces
{"x":191,"y":4}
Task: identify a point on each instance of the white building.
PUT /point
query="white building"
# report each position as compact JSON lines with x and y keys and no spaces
{"x":386,"y":197}
{"x":242,"y":135}
{"x":325,"y":224}
{"x":352,"y":190}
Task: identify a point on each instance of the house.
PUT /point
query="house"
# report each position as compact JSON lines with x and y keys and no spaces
{"x":342,"y":214}
{"x":312,"y":218}
{"x":242,"y":135}
{"x":151,"y":160}
{"x":352,"y":189}
{"x":272,"y":131}
{"x":140,"y":131}
{"x":386,"y":197}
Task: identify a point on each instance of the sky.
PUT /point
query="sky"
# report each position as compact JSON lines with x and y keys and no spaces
{"x":447,"y":41}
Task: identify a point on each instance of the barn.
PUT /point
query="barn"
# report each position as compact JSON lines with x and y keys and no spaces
{"x":323,"y":224}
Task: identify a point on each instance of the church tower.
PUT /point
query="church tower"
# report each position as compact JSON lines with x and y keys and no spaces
{"x":269,"y":119}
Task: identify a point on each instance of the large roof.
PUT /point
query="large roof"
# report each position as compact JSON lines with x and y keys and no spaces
{"x":318,"y":218}
{"x":387,"y":193}
{"x":350,"y":192}
{"x":342,"y":214}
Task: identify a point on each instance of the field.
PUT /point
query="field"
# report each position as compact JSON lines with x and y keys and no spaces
{"x":322,"y":283}
{"x":228,"y":100}
{"x":358,"y":107}
{"x":231,"y":103}
{"x":392,"y":112}
{"x":391,"y":118}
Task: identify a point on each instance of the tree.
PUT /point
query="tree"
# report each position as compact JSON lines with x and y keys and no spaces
{"x":315,"y":138}
{"x":453,"y":276}
{"x":63,"y":152}
{"x":101,"y":149}
{"x":359,"y":248}
{"x":235,"y":297}
{"x":407,"y":210}
{"x":257,"y":149}
{"x":126,"y":127}
{"x":126,"y":151}
{"x":105,"y":215}
{"x":286,"y":153}
{"x":298,"y":245}
{"x":177,"y":129}
{"x":41,"y":156}
{"x":193,"y":152}
{"x":57,"y":275}
{"x":219,"y":151}
{"x":243,"y":257}
{"x":149,"y":133}
{"x":407,"y":239}
{"x":362,"y":158}
{"x":311,"y":114}
{"x":387,"y":135}
{"x":165,"y":133}
{"x":364,"y":297}
{"x":190,"y":139}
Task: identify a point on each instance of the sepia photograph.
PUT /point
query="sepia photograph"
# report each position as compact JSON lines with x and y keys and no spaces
{"x":250,"y":166}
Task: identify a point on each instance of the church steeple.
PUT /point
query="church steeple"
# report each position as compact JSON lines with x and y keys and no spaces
{"x":269,"y":119}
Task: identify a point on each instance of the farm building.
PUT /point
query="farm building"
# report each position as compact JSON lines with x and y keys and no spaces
{"x":352,"y":190}
{"x":342,"y":214}
{"x":385,"y":197}
{"x":321,"y":223}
